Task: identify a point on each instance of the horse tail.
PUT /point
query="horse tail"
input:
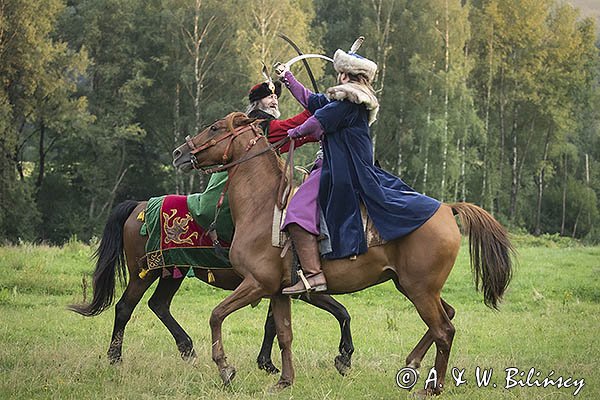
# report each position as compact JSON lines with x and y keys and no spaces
{"x":110,"y":262}
{"x":490,"y":250}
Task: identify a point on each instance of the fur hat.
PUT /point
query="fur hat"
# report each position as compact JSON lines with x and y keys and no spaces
{"x":355,"y":64}
{"x":263,"y":90}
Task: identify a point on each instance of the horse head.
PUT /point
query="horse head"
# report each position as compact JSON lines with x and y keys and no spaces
{"x":215,"y":144}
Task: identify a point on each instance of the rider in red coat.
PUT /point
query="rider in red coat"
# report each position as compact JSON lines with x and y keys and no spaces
{"x":264,"y":104}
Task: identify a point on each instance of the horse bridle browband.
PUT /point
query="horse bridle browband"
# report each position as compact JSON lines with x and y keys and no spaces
{"x":229,"y":135}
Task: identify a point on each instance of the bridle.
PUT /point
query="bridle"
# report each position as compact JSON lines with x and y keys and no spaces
{"x":232,"y":135}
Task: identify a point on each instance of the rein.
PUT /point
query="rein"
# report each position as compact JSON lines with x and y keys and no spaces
{"x":288,"y":173}
{"x":272,"y":146}
{"x":232,"y":135}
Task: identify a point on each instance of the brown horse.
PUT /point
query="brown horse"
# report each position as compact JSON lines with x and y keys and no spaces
{"x":418,"y":263}
{"x":122,"y":246}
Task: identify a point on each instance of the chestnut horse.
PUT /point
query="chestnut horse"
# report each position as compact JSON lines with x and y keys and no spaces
{"x":418,"y":263}
{"x":122,"y":246}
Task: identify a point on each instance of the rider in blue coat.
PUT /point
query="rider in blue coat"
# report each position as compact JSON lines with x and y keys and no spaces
{"x":348,"y":176}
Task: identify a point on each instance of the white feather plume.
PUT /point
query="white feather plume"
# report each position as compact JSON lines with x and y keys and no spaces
{"x":356,"y":45}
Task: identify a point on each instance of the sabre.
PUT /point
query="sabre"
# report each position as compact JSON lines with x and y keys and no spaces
{"x":305,"y":56}
{"x":306,"y":66}
{"x":279,"y":67}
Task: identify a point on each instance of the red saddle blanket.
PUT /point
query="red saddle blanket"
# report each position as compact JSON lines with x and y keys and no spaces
{"x":175,"y":239}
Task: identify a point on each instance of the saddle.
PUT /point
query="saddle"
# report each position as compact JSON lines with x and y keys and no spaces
{"x":282,"y":240}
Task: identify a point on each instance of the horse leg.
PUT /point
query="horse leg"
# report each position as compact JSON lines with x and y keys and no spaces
{"x":442,"y":332}
{"x":123,"y":310}
{"x":416,"y":356}
{"x":282,"y":314}
{"x":246,"y":293}
{"x":160,"y":304}
{"x":264,"y":357}
{"x":343,"y":361}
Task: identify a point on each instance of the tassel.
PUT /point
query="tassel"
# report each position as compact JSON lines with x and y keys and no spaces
{"x":143,"y":273}
{"x":177,"y":273}
{"x":211,"y":276}
{"x":165,"y":273}
{"x":190,"y":273}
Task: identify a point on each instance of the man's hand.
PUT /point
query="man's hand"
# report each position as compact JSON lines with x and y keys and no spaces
{"x":280,"y":69}
{"x":311,"y":127}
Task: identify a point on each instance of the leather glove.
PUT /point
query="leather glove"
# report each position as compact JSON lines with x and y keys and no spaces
{"x":311,"y":127}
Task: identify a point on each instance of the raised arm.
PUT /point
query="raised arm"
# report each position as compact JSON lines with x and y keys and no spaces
{"x":296,"y":88}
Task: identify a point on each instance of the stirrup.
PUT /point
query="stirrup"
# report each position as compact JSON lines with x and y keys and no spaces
{"x":307,"y":286}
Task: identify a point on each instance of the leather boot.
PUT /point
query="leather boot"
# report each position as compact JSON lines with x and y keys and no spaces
{"x":307,"y":248}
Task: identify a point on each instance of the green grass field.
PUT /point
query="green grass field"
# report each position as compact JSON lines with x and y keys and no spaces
{"x":549,"y":321}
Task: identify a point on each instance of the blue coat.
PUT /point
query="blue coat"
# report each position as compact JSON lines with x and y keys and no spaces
{"x":349,"y":176}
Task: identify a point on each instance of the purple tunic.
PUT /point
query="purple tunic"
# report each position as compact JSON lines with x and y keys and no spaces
{"x":303,"y":208}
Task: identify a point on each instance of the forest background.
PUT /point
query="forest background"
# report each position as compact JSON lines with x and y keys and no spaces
{"x":493,"y":102}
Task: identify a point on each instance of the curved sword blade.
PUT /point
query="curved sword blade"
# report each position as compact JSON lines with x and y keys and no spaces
{"x":305,"y":56}
{"x":306,"y":66}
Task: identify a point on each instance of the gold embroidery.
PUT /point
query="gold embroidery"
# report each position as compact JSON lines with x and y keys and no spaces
{"x":155,"y":260}
{"x":177,"y":227}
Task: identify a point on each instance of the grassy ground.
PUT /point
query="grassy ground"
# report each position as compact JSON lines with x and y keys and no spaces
{"x":549,"y":321}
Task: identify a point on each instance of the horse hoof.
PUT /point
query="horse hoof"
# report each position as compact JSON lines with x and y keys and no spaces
{"x":189,"y":356}
{"x":424,"y":393}
{"x":227,"y":375}
{"x":268,"y":367}
{"x":342,"y":364}
{"x":282,"y":384}
{"x":114,"y":359}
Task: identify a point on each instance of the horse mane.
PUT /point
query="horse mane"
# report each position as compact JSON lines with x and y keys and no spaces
{"x":235,"y":119}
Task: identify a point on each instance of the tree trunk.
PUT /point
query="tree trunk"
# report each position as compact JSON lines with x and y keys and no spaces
{"x":576,"y":222}
{"x":426,"y":139}
{"x":19,"y":164}
{"x":463,"y":195}
{"x":457,"y":181}
{"x":399,"y":141}
{"x":176,"y":140}
{"x":514,"y":168}
{"x":446,"y":68}
{"x":197,"y":80}
{"x":564,"y":197}
{"x":42,"y":156}
{"x":425,"y":167}
{"x":383,"y":49}
{"x":485,"y":191}
{"x":540,"y":183}
{"x":587,"y":169}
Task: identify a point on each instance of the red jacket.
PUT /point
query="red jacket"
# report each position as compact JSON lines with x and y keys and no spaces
{"x":278,"y":130}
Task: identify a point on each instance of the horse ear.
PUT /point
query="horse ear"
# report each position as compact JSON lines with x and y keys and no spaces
{"x":246,"y":120}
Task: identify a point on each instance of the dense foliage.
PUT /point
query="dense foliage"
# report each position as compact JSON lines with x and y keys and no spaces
{"x":492,"y":102}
